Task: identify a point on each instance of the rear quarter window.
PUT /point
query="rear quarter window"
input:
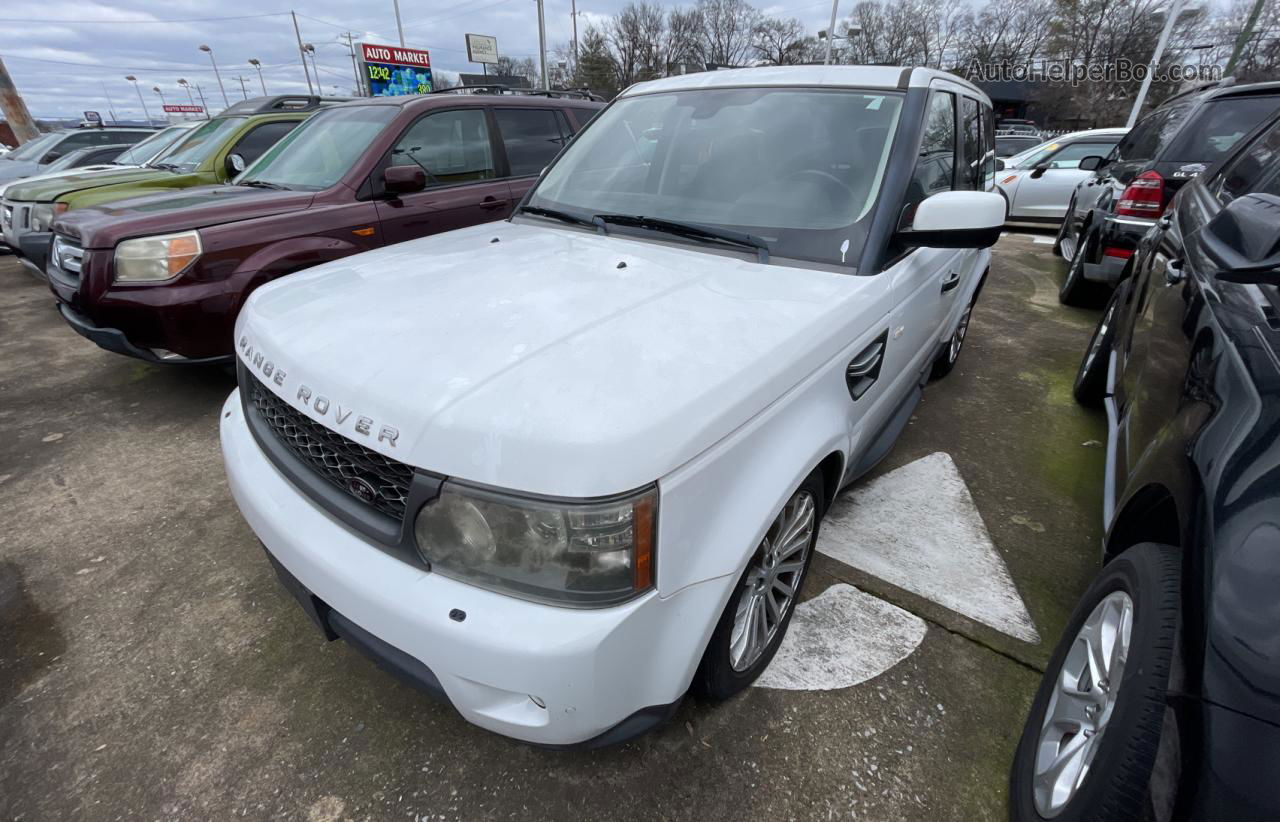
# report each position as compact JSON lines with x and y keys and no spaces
{"x":1216,"y":127}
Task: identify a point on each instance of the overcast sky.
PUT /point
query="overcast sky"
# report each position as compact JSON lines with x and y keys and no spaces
{"x":61,"y":53}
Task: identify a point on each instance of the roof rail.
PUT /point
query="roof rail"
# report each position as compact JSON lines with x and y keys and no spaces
{"x":1223,"y":83}
{"x":281,"y":102}
{"x":499,"y":88}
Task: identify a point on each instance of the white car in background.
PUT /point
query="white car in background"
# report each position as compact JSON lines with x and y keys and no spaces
{"x":1038,"y":182}
{"x":559,"y":470}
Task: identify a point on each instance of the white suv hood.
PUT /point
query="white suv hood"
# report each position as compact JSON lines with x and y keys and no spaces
{"x":537,"y":363}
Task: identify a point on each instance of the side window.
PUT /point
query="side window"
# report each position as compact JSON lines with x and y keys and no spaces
{"x":125,"y":138}
{"x":532,"y":137}
{"x":450,"y":146}
{"x":1069,"y":156}
{"x":1151,"y":135}
{"x":936,"y":162}
{"x":72,"y":142}
{"x":971,"y":164}
{"x":1244,"y":174}
{"x":988,"y":148}
{"x":254,"y":144}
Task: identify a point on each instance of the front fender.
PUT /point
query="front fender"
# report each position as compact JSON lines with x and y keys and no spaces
{"x":293,"y":254}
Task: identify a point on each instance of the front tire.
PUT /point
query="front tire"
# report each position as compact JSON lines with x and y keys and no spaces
{"x":755,"y":620}
{"x":1089,"y":745}
{"x":950,"y":353}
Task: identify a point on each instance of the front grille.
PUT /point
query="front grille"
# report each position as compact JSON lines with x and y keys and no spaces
{"x":67,"y":256}
{"x":346,"y":464}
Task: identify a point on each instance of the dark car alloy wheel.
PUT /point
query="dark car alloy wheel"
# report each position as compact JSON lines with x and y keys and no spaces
{"x":1076,"y":290}
{"x":1089,"y":745}
{"x":756,"y":617}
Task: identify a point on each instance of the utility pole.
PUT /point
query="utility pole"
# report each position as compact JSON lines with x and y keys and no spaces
{"x":302,"y":53}
{"x":1246,"y":34}
{"x":15,"y":109}
{"x":1171,"y":17}
{"x":574,"y":14}
{"x":134,"y":80}
{"x":355,"y":67}
{"x":399,"y":28}
{"x":542,"y":46}
{"x":831,"y":31}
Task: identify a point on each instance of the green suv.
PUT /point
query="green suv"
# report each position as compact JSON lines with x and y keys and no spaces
{"x":211,"y":153}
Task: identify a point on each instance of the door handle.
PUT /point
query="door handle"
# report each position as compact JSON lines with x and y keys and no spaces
{"x":490,"y":203}
{"x":950,"y":281}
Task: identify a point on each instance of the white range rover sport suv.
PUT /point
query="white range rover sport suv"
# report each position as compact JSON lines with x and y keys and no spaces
{"x":560,"y":470}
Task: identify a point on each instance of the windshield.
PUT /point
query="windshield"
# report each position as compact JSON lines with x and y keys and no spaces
{"x":66,"y":160}
{"x":151,"y":147}
{"x":32,"y":148}
{"x":797,"y":168}
{"x":317,"y":153}
{"x":202,"y":143}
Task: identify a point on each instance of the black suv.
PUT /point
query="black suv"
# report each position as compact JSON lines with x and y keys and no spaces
{"x":1135,"y":183}
{"x":1164,"y":690}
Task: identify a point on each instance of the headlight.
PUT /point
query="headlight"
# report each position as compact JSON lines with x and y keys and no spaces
{"x":151,"y":259}
{"x":571,"y":553}
{"x":43,"y":214}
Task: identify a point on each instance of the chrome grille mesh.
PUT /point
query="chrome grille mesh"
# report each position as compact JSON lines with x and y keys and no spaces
{"x":342,"y":462}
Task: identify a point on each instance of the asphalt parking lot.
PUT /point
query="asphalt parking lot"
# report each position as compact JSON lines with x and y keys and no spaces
{"x":151,"y":666}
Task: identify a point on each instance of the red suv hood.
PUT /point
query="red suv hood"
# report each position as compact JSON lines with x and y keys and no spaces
{"x":163,"y":213}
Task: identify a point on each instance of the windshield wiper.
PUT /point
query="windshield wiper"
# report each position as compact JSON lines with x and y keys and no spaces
{"x":264,"y":184}
{"x":564,"y":216}
{"x":166,"y":166}
{"x":693,"y":231}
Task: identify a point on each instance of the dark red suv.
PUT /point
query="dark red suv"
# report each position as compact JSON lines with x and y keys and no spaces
{"x":162,"y":277}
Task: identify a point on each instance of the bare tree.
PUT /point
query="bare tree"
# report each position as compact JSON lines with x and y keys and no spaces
{"x":727,"y":30}
{"x":682,"y":41}
{"x":782,"y":42}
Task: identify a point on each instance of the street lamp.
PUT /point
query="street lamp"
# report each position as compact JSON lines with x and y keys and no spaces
{"x":209,"y":51}
{"x":850,"y":32}
{"x":134,"y":80}
{"x":309,"y":48}
{"x":157,"y":90}
{"x":253,"y":61}
{"x":187,"y":86}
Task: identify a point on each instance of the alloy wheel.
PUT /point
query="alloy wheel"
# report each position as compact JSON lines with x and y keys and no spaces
{"x":772,"y":581}
{"x":1083,"y":700}
{"x":957,"y":339}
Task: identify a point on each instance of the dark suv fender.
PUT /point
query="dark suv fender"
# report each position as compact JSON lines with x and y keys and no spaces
{"x":287,"y":257}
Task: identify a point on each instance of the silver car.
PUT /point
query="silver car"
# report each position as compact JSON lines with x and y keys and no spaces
{"x":1038,"y":182}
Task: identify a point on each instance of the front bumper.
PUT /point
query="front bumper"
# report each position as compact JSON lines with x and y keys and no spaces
{"x":33,"y":249}
{"x":115,"y":341}
{"x":603,"y":675}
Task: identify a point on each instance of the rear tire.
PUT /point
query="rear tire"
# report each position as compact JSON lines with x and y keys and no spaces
{"x":1076,"y":290}
{"x":1091,"y":377}
{"x":730,"y":663}
{"x":1089,"y":745}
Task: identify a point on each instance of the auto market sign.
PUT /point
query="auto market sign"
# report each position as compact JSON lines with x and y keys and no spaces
{"x":393,"y":70}
{"x":174,"y":108}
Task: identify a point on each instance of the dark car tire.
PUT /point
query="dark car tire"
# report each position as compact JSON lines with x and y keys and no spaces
{"x":716,"y":677}
{"x":1091,"y":377}
{"x":1115,"y":787}
{"x":1064,"y":227}
{"x":1076,"y":290}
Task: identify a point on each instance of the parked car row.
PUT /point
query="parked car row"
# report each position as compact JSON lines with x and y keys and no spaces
{"x":36,"y":155}
{"x":1040,"y":180}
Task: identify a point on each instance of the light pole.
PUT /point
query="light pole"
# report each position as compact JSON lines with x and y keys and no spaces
{"x":399,"y":28}
{"x":831,"y":30}
{"x":849,"y":34}
{"x":209,"y":51}
{"x":244,"y":90}
{"x":203,"y":104}
{"x":309,"y":48}
{"x":187,"y":86}
{"x":1171,"y":17}
{"x":253,"y":61}
{"x":157,"y":90}
{"x":134,"y":80}
{"x":574,"y":14}
{"x":542,"y":46}
{"x":111,"y":107}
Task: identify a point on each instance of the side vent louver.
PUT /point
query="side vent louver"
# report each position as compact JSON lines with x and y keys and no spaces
{"x":864,"y":369}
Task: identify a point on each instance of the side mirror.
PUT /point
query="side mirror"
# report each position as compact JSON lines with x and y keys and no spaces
{"x":404,"y":179}
{"x":1243,"y":240}
{"x":957,"y":219}
{"x":51,"y":156}
{"x":1092,"y":163}
{"x":1000,"y":166}
{"x":1038,"y":171}
{"x":235,"y":164}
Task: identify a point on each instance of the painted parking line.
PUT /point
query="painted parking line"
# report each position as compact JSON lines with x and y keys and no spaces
{"x":918,"y":528}
{"x":840,"y":638}
{"x":1043,"y":241}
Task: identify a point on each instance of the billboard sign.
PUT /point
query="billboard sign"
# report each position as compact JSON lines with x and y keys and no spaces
{"x":481,"y":48}
{"x":391,"y":71}
{"x":173,"y":108}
